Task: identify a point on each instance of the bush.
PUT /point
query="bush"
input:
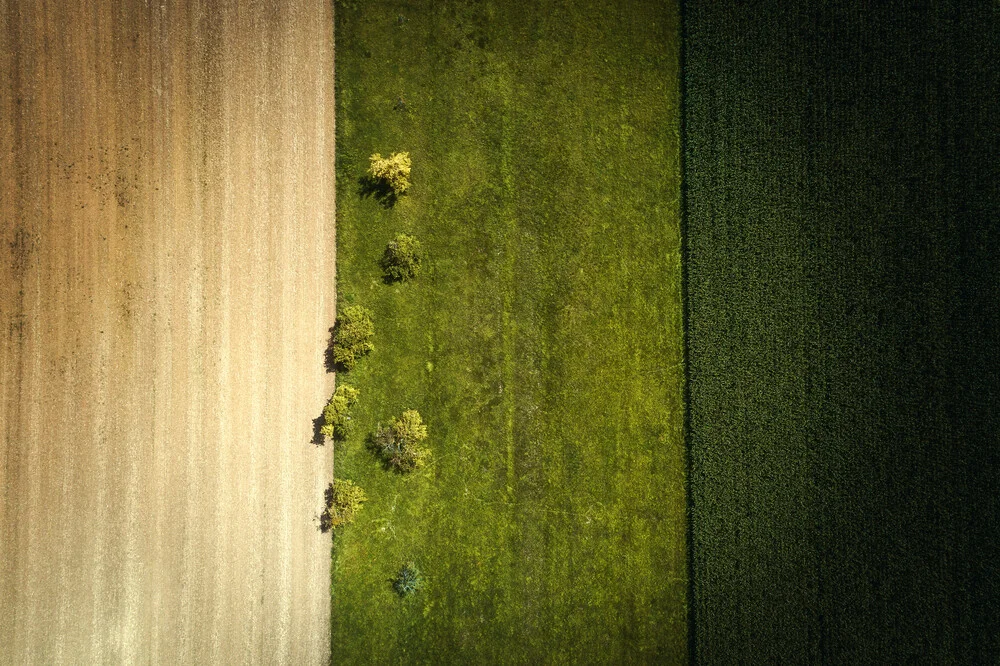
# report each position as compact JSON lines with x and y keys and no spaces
{"x":336,"y":418}
{"x":399,"y":444}
{"x":401,"y":260}
{"x":408,"y":580}
{"x":352,"y":337}
{"x":392,"y":171}
{"x":343,"y":501}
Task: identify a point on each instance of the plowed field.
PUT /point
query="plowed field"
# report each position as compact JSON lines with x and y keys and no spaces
{"x":166,"y":286}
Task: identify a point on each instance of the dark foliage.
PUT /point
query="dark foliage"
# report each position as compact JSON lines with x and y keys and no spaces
{"x":408,"y":580}
{"x":841,"y":208}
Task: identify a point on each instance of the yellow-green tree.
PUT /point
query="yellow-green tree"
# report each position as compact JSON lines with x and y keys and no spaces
{"x":399,"y":444}
{"x":352,"y":336}
{"x":402,"y":257}
{"x":393,"y":171}
{"x":336,"y":414}
{"x":344,"y":500}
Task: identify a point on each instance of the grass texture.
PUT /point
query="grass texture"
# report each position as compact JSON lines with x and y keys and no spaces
{"x":841,"y":193}
{"x":542,"y":341}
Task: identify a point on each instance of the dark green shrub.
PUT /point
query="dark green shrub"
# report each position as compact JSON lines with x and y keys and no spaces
{"x":336,"y":417}
{"x":352,"y":337}
{"x":401,"y":260}
{"x":408,"y":580}
{"x":398,"y":445}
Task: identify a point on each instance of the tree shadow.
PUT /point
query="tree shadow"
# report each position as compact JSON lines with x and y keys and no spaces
{"x":377,"y":189}
{"x":325,"y":519}
{"x":376,"y":451}
{"x":388,"y":278}
{"x":328,"y":361}
{"x":391,"y":274}
{"x":318,"y":438}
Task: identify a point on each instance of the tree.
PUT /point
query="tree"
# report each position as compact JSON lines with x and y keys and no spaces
{"x":401,"y":260}
{"x":343,"y":501}
{"x":353,"y":335}
{"x":392,"y":171}
{"x":408,"y":580}
{"x":398,"y":445}
{"x":336,"y":417}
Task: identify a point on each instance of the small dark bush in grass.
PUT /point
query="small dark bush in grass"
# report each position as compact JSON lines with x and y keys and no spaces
{"x":408,"y":580}
{"x":401,"y":260}
{"x":343,"y":501}
{"x":398,"y":445}
{"x":352,"y":337}
{"x":336,"y":417}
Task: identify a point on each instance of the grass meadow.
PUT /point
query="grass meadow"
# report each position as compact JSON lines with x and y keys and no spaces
{"x":542,"y":342}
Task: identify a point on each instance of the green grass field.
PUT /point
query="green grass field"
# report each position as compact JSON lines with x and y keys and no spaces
{"x":542,"y":343}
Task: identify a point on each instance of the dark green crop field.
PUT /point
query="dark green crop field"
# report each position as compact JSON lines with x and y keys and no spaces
{"x":841,"y":251}
{"x":542,"y":342}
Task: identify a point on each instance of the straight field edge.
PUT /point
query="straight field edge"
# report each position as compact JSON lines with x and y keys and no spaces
{"x":685,"y":333}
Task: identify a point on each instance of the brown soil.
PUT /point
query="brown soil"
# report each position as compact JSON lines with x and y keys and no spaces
{"x":166,"y":286}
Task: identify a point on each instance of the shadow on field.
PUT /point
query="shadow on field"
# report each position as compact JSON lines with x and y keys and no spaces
{"x":328,"y":362}
{"x":325,"y":519}
{"x":318,"y":438}
{"x":378,"y":190}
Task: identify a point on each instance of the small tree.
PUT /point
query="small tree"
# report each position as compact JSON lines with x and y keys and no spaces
{"x":401,"y":260}
{"x":336,"y":417}
{"x":343,"y":501}
{"x":392,"y":171}
{"x":408,"y":580}
{"x":399,"y":444}
{"x":353,"y":336}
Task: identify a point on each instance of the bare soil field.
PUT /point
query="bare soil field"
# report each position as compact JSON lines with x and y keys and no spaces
{"x":166,"y":286}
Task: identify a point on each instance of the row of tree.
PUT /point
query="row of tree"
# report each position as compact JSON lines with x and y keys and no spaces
{"x":399,"y":445}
